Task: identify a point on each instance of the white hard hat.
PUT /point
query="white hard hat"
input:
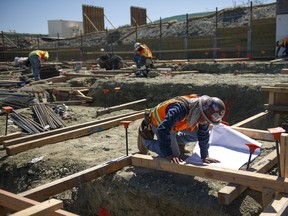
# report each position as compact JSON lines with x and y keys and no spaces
{"x":136,"y":45}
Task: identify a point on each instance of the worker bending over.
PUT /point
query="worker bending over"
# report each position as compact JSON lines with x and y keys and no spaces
{"x":142,"y":57}
{"x":181,"y":116}
{"x":282,"y":44}
{"x":35,"y":58}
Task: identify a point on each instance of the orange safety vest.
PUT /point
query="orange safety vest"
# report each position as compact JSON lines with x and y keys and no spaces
{"x":145,"y":51}
{"x":283,"y":42}
{"x":40,"y":53}
{"x":158,"y":114}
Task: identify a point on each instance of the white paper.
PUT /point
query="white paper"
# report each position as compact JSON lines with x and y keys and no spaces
{"x":228,"y":146}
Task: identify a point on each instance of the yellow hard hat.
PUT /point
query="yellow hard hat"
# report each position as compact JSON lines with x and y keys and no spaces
{"x":46,"y":55}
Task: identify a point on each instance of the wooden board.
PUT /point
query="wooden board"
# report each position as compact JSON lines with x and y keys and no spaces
{"x":276,"y":207}
{"x":10,"y":136}
{"x":18,"y":203}
{"x":45,"y":191}
{"x":44,"y":208}
{"x":245,"y":178}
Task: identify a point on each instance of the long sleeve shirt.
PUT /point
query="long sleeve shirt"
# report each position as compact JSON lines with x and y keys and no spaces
{"x":175,"y":113}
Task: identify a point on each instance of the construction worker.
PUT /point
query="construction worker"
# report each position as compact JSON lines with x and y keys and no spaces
{"x":142,"y":57}
{"x":178,"y":117}
{"x":282,"y":44}
{"x":35,"y":58}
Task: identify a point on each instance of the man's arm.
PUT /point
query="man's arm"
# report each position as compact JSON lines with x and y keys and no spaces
{"x":203,"y":139}
{"x":174,"y":113}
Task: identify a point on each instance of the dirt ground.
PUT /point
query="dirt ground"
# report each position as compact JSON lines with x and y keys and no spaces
{"x":131,"y":191}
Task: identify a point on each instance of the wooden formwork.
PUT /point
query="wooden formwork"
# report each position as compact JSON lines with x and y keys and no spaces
{"x":274,"y":188}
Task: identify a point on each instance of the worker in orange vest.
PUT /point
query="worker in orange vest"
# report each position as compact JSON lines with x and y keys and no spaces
{"x":282,"y":44}
{"x":35,"y":58}
{"x":188,"y":115}
{"x":143,"y":57}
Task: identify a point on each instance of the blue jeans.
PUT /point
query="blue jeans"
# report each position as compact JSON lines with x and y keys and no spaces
{"x":140,"y":60}
{"x":177,"y":138}
{"x":35,"y":66}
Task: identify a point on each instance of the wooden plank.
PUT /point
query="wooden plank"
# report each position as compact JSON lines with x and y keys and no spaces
{"x":75,"y":75}
{"x":40,"y":209}
{"x":284,"y":71}
{"x":245,"y":178}
{"x":118,"y":107}
{"x":17,"y":148}
{"x":271,"y":99}
{"x":232,"y":191}
{"x":278,"y":60}
{"x":61,"y":130}
{"x":231,"y":59}
{"x":114,"y":72}
{"x":277,"y":207}
{"x":284,"y":155}
{"x":50,"y":189}
{"x":276,"y":108}
{"x":278,"y":89}
{"x":254,"y":133}
{"x":267,"y":196}
{"x":10,"y":136}
{"x":74,"y":102}
{"x":17,"y":203}
{"x":252,"y":120}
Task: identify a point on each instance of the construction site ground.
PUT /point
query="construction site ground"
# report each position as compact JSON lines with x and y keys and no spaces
{"x":132,"y":190}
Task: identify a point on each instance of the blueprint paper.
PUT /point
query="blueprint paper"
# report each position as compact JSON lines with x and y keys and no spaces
{"x":228,"y":146}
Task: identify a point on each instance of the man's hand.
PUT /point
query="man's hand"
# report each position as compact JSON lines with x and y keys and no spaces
{"x":210,"y":160}
{"x":174,"y":159}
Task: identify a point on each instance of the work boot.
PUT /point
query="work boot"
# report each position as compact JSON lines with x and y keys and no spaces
{"x":141,"y":147}
{"x":183,"y":150}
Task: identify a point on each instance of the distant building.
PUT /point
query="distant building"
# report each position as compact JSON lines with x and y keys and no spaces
{"x":64,"y":28}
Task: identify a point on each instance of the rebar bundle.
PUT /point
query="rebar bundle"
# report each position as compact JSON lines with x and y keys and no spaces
{"x":28,"y":125}
{"x":47,"y":117}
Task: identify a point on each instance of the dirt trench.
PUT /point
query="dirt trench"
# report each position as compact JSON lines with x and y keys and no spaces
{"x":133,"y":190}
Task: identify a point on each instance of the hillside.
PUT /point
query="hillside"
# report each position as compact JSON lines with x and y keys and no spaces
{"x":171,"y":27}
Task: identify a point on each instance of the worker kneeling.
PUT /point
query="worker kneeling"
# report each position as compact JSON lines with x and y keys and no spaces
{"x":142,"y":57}
{"x":178,"y":121}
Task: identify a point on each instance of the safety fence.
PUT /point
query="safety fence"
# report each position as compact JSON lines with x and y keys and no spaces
{"x":250,"y":38}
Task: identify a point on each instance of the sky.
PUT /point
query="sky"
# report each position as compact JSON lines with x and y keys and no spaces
{"x":31,"y":16}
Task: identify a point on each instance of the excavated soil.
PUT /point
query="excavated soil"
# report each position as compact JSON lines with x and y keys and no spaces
{"x":133,"y":190}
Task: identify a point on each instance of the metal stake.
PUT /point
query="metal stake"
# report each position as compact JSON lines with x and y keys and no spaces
{"x":126,"y":125}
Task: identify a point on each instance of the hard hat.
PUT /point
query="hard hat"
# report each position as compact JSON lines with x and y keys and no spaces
{"x":212,"y":108}
{"x":46,"y":55}
{"x":136,"y":45}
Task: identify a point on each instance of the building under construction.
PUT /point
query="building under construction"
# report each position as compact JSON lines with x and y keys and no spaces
{"x":70,"y":140}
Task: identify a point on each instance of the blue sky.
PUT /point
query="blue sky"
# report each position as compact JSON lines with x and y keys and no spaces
{"x":31,"y":16}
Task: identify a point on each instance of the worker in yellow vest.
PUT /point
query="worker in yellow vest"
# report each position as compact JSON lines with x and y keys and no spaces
{"x":188,"y":115}
{"x":282,"y":44}
{"x":35,"y":58}
{"x":143,"y":57}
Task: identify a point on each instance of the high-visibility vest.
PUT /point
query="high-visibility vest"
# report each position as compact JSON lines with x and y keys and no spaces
{"x":40,"y":53}
{"x":283,"y":42}
{"x":158,"y":114}
{"x":145,"y":51}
